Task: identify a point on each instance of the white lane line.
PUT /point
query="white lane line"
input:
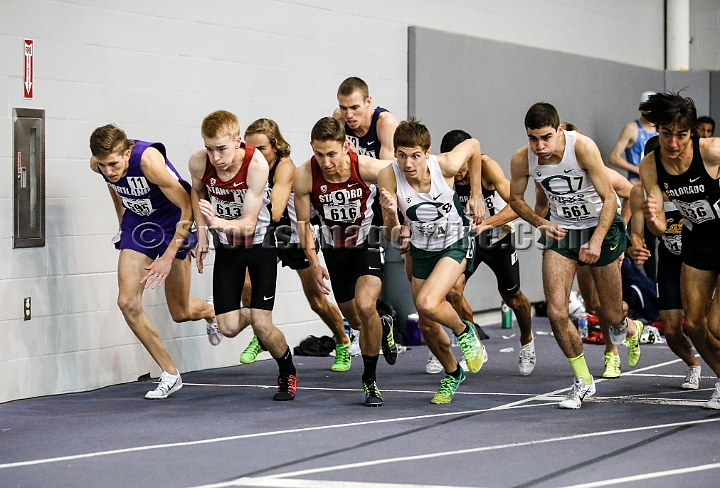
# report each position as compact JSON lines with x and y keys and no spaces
{"x":653,"y":366}
{"x":343,"y":425}
{"x":647,"y":476}
{"x":482,"y":449}
{"x":276,"y":483}
{"x":355,"y":390}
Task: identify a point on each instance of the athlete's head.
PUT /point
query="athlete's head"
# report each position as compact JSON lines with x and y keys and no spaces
{"x":705,"y":126}
{"x":265,"y":135}
{"x":542,"y":125}
{"x":111,"y":149}
{"x":411,"y":133}
{"x":448,"y":143}
{"x":570,"y":126}
{"x":219,"y":124}
{"x":452,"y":139}
{"x":412,"y":146}
{"x":327,"y":139}
{"x":542,"y":114}
{"x":354,"y":101}
{"x":221,"y":133}
{"x":675,"y":118}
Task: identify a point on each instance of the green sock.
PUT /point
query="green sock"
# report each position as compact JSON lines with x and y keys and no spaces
{"x":580,"y":368}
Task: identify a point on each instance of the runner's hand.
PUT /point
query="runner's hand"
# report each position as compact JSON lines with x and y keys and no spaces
{"x":157,"y":272}
{"x":475,"y":210}
{"x":206,"y":208}
{"x":638,"y":254}
{"x":388,"y":201}
{"x":321,"y":275}
{"x":590,"y":252}
{"x":650,"y":207}
{"x":201,"y":251}
{"x":552,"y":231}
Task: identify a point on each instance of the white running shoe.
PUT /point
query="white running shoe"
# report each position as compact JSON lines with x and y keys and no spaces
{"x":169,"y":383}
{"x":579,"y":392}
{"x":714,"y":402}
{"x":527,"y":358}
{"x":692,"y":378}
{"x":354,"y":343}
{"x":433,"y":365}
{"x":214,"y":335}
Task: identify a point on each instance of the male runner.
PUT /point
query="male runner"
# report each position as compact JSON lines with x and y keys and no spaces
{"x":370,"y":132}
{"x":584,"y":229}
{"x":340,"y":184}
{"x":686,"y":168}
{"x":622,"y":187}
{"x":153,"y":207}
{"x":668,"y":279}
{"x":626,"y":155}
{"x":421,"y":185}
{"x":229,"y":195}
{"x":265,"y":136}
{"x":494,"y":246}
{"x":629,"y":148}
{"x":706,"y":126}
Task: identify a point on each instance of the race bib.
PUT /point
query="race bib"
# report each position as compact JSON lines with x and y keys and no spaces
{"x":673,"y":243}
{"x":347,"y":213}
{"x":142,"y":207}
{"x":696,"y":212}
{"x":435,"y":229}
{"x":577,"y":211}
{"x":227,"y":210}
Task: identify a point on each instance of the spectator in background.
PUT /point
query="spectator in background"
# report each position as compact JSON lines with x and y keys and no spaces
{"x":705,"y":126}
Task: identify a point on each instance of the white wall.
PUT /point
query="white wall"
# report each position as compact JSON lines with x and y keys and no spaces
{"x":705,"y":34}
{"x":156,"y":69}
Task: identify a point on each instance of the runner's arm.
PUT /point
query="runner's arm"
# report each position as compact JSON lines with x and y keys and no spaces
{"x":627,"y":138}
{"x":198,"y":192}
{"x":282,"y":187}
{"x":493,"y":174}
{"x":386,"y":125}
{"x":388,"y":201}
{"x":653,"y":209}
{"x":155,"y":170}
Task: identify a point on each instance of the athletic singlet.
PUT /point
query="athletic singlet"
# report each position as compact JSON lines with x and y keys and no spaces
{"x":437,"y":219}
{"x":695,"y":194}
{"x":574,"y":202}
{"x":369,"y":144}
{"x":345,"y":208}
{"x":636,"y":152}
{"x":289,"y":217}
{"x":227,"y":198}
{"x":672,"y":239}
{"x":493,"y":205}
{"x":141,"y":197}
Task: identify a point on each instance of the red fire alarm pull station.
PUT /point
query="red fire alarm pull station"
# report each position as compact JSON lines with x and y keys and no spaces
{"x":29,"y":71}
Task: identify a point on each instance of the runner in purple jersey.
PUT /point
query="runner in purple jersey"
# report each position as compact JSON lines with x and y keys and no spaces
{"x":153,"y":207}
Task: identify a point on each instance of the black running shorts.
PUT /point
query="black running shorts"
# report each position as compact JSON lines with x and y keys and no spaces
{"x":668,"y":279}
{"x":229,"y":277}
{"x":502,"y":259}
{"x":346,"y":264}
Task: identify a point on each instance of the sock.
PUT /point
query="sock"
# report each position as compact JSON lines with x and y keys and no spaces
{"x":580,"y":368}
{"x":370,"y":363}
{"x":466,"y":329}
{"x":285,"y":363}
{"x":456,"y":374}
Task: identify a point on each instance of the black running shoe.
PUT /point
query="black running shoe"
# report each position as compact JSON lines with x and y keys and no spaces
{"x":372,"y":394}
{"x":287,"y":384}
{"x":389,"y":348}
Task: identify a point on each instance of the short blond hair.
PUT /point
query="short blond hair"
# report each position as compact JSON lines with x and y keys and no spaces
{"x":219,"y":124}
